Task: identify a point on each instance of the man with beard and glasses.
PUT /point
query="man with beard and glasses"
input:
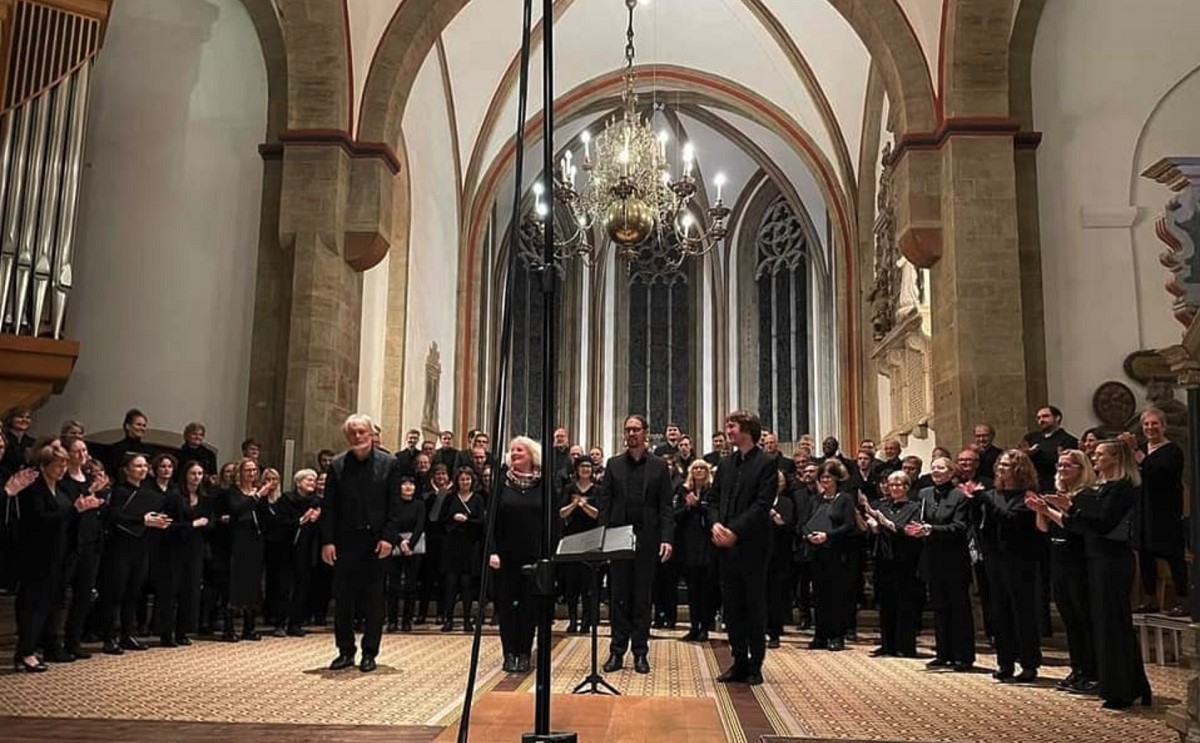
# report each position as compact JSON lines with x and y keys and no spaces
{"x":636,"y":492}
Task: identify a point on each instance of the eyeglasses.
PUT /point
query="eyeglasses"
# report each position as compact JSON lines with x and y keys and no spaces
{"x":634,"y":429}
{"x":1066,"y":465}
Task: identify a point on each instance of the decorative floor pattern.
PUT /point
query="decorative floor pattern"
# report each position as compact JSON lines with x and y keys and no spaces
{"x":419,"y":682}
{"x":849,"y":695}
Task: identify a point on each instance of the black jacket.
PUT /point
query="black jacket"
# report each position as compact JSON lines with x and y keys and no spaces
{"x":745,"y":487}
{"x":345,"y":512}
{"x":658,"y":520}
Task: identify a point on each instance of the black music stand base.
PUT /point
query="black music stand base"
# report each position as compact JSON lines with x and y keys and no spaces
{"x":549,"y":738}
{"x":595,"y":683}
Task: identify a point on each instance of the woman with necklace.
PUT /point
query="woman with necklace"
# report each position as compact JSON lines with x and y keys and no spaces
{"x":1158,"y":514}
{"x":517,"y":541}
{"x":463,"y":516}
{"x":246,"y":505}
{"x":404,"y":566}
{"x":1103,"y":518}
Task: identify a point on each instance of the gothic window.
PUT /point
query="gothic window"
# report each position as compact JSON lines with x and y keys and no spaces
{"x":525,"y":375}
{"x":781,"y":279}
{"x":660,"y":371}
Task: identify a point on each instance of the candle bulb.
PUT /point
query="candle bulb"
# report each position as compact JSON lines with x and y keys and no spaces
{"x":719,"y":181}
{"x":586,"y":138}
{"x":689,"y":154}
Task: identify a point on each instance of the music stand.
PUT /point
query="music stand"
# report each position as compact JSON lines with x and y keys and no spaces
{"x":593,"y":548}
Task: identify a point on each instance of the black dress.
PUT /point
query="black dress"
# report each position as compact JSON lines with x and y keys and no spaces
{"x":126,"y":554}
{"x":246,"y":519}
{"x":182,"y":554}
{"x":42,"y":545}
{"x":519,"y":533}
{"x":1158,"y":526}
{"x":1102,"y":517}
{"x":833,"y":578}
{"x":574,"y":576}
{"x":462,"y":552}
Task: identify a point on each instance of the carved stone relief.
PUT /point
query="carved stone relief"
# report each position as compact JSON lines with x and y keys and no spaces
{"x":433,"y":379}
{"x":1179,"y":229}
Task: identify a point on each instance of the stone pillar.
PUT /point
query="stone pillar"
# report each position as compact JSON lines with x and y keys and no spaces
{"x":978,"y":346}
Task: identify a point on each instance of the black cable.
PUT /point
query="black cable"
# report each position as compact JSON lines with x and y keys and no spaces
{"x":514,"y":232}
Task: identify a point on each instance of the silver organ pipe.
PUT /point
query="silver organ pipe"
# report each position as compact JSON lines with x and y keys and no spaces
{"x":42,"y":128}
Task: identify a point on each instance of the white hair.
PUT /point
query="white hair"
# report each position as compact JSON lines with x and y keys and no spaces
{"x":358,"y":420}
{"x":534,"y":448}
{"x":301,"y":474}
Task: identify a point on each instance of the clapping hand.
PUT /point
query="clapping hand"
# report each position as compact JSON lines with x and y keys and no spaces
{"x":1059,"y":501}
{"x":817,"y":537}
{"x":691,"y":499}
{"x":383,"y":549}
{"x":1036,"y":503}
{"x":20,"y":481}
{"x":723,"y":536}
{"x":460,"y":517}
{"x":916,"y":530}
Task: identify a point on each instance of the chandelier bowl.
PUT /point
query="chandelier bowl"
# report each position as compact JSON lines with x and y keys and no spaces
{"x":629,"y":222}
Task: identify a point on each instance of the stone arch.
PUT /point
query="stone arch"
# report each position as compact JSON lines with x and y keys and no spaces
{"x":274,"y":51}
{"x":320,"y":89}
{"x":973,"y":70}
{"x":704,"y":88}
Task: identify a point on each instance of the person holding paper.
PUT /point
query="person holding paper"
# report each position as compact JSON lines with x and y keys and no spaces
{"x":404,"y":566}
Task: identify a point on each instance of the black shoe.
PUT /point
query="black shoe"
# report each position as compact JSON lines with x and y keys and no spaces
{"x":368,"y":664}
{"x":641,"y":664}
{"x":1084,"y":686}
{"x":837,"y":644}
{"x":296,"y":632}
{"x":754,"y":678}
{"x":1003,"y":674}
{"x":182,"y":640}
{"x":112,"y":648}
{"x":251,"y":636}
{"x":60,"y":655}
{"x":448,"y":627}
{"x":878,"y":653}
{"x":510,"y":663}
{"x":573,"y":628}
{"x":773,"y":642}
{"x":962,"y":667}
{"x":703,"y":636}
{"x":392,"y":627}
{"x":818,"y":643}
{"x":468,"y":626}
{"x":406,"y":626}
{"x":938,"y":663}
{"x":279,"y":632}
{"x":166,"y":641}
{"x":614,"y":663}
{"x":79,"y":652}
{"x":130,"y":643}
{"x":20,"y":666}
{"x":1026,"y":676}
{"x":522,"y":664}
{"x":342,"y":662}
{"x":1067,"y":682}
{"x":229,"y":636}
{"x":734,"y":675}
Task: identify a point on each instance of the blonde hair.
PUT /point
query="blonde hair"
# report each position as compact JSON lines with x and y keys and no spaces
{"x":533,"y":447}
{"x":1087,"y":480}
{"x":1127,"y":468}
{"x":689,"y":483}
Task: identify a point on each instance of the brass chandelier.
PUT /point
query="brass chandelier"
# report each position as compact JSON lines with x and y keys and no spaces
{"x":628,"y":189}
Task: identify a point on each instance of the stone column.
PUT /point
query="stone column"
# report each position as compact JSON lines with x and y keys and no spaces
{"x":978,"y":347}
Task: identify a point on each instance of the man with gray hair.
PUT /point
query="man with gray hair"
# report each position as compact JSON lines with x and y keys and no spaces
{"x":359,"y":527}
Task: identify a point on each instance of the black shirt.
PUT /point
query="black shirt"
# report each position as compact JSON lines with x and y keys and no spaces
{"x":1044,"y":452}
{"x":635,"y":493}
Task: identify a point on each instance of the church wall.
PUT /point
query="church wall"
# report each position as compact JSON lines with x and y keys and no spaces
{"x":1096,"y":79}
{"x":433,"y":241}
{"x":371,"y":348}
{"x":169,"y":220}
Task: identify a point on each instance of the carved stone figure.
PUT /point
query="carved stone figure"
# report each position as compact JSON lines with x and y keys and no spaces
{"x":886,"y":290}
{"x":433,"y":378}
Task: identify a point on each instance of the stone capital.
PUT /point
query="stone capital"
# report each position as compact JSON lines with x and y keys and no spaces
{"x":917,"y":183}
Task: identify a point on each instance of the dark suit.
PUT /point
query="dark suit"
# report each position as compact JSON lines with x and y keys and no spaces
{"x":946,"y":565}
{"x":361,"y":508}
{"x":745,"y":485}
{"x":637,"y":493}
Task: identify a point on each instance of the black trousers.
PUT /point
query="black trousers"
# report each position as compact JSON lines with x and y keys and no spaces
{"x":303,"y":569}
{"x":1069,"y":581}
{"x":802,"y":569}
{"x":702,"y":589}
{"x":358,"y":588}
{"x":457,"y":586}
{"x":899,"y":594}
{"x":666,"y":592}
{"x":431,"y":576}
{"x":403,"y":578}
{"x":954,"y":623}
{"x":779,"y":596}
{"x":1016,"y":609}
{"x":516,"y":606}
{"x":79,"y":576}
{"x":743,"y":578}
{"x":280,"y":580}
{"x":37,"y":594}
{"x":1148,"y":568}
{"x":128,"y":564}
{"x":179,"y":588}
{"x":983,"y":589}
{"x":630,"y":584}
{"x":834,"y":586}
{"x":576,"y":582}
